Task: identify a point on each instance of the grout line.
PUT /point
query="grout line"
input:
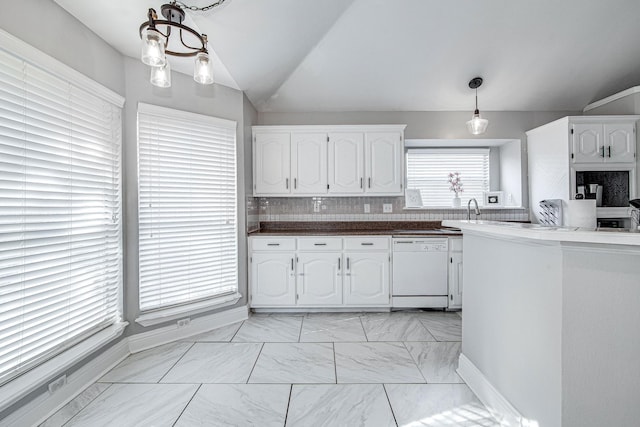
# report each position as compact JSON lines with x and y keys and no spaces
{"x":185,"y":406}
{"x":335,"y":362}
{"x":363,"y":329}
{"x":254,"y":364}
{"x":81,"y":409}
{"x":390,"y":406}
{"x":237,"y":330}
{"x":286,"y":414}
{"x":301,"y":325}
{"x":173,"y":366}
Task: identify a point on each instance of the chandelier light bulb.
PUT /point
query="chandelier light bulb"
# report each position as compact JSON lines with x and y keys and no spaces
{"x":203,"y":69}
{"x":161,"y":76}
{"x":153,"y":48}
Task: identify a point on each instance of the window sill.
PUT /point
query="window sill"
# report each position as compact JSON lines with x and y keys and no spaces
{"x":464,"y":208}
{"x":174,"y":313}
{"x":16,"y":389}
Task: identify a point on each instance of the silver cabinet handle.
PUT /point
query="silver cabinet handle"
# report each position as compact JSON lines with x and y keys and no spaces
{"x":319,"y":244}
{"x":366,"y":244}
{"x":295,"y":183}
{"x":348,"y":266}
{"x":286,"y":183}
{"x":360,"y":182}
{"x":338,"y":263}
{"x":609,"y":149}
{"x":291,"y":264}
{"x":369,"y":182}
{"x":273,"y":244}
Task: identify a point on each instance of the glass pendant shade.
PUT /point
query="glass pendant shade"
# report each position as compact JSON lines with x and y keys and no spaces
{"x":161,"y":76}
{"x":153,"y":48}
{"x":477,"y":125}
{"x":203,"y":69}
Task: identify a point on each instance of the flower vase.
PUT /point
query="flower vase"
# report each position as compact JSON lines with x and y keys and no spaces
{"x":456,"y":202}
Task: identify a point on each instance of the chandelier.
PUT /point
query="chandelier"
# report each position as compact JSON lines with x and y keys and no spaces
{"x":169,"y":36}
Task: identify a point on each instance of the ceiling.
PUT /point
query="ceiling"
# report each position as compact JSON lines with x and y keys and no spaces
{"x":402,"y":55}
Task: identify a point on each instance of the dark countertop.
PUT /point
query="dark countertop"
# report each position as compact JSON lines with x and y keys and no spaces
{"x":355,"y":228}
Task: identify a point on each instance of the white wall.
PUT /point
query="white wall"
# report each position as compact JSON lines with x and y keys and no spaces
{"x":512,"y":323}
{"x":46,"y":26}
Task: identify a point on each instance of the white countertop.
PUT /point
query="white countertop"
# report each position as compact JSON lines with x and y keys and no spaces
{"x":541,"y":232}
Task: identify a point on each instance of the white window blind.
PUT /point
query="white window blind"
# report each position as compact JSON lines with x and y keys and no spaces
{"x":60,"y":214}
{"x":187,"y":207}
{"x":428,"y":171}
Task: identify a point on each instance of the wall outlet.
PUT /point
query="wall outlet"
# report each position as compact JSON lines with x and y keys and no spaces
{"x":57,"y":384}
{"x":183,"y":322}
{"x":387,"y":208}
{"x":316,"y":206}
{"x":367,"y":208}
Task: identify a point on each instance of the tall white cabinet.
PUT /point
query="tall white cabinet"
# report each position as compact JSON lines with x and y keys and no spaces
{"x":557,"y":150}
{"x":296,"y":161}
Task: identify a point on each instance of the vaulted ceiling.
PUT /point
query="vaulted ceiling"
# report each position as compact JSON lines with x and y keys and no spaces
{"x":402,"y":55}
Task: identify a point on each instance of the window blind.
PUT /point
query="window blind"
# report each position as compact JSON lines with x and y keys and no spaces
{"x":187,"y":207}
{"x":60,"y":214}
{"x":428,"y":171}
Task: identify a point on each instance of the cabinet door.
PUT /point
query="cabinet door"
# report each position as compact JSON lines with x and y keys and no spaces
{"x":587,"y":143}
{"x":383,"y":162}
{"x":620,"y":143}
{"x":455,"y":280}
{"x":366,"y":279}
{"x":309,"y":163}
{"x":272,"y":163}
{"x":319,"y":279}
{"x":272,"y":279}
{"x":346,"y":161}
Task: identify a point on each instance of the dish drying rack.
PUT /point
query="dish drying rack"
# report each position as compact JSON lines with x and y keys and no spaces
{"x":551,"y":212}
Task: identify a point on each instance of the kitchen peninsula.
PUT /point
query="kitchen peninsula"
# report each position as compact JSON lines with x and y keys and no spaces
{"x":550,"y":324}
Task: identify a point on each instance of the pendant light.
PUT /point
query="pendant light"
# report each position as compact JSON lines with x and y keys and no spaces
{"x":477,"y":125}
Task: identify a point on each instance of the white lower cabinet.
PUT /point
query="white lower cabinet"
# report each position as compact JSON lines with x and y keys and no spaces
{"x":273,"y":280}
{"x":319,"y":281}
{"x":321,"y":272}
{"x":455,"y":273}
{"x":367,"y":279}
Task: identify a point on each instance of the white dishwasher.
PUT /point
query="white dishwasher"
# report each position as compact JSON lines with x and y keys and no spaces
{"x":420,"y":272}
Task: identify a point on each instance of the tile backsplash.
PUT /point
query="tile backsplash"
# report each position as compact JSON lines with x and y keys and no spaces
{"x":253,"y":213}
{"x":352,"y":209}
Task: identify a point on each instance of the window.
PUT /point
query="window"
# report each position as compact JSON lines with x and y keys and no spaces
{"x":60,"y":211}
{"x":187,"y":207}
{"x":428,"y":170}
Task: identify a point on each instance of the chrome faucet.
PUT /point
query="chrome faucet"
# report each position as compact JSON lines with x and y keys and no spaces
{"x":476,"y":211}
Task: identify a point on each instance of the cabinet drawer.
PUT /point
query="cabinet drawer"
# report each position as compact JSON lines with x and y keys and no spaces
{"x":319,"y":243}
{"x":455,"y":245}
{"x":366,"y":243}
{"x":273,"y":244}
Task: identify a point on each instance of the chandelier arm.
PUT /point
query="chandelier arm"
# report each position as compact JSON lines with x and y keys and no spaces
{"x":170,"y":24}
{"x":201,"y":9}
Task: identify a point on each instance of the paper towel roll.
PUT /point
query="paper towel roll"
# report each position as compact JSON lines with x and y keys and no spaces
{"x":581,"y":213}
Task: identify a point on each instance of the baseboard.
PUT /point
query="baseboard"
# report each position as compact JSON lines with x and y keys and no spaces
{"x":46,"y":404}
{"x":497,"y":404}
{"x":167,"y":334}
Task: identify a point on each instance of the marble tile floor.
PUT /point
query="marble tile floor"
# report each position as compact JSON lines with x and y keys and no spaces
{"x":315,"y":369}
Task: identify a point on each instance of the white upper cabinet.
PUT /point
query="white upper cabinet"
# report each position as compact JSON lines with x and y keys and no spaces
{"x":309,"y":163}
{"x":272,"y":163}
{"x":346,"y":163}
{"x":620,"y":140}
{"x":598,"y":142}
{"x":339,"y":160}
{"x":384,"y":155}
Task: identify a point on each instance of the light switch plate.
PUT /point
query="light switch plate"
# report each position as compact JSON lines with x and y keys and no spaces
{"x":367,"y":208}
{"x":387,"y":208}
